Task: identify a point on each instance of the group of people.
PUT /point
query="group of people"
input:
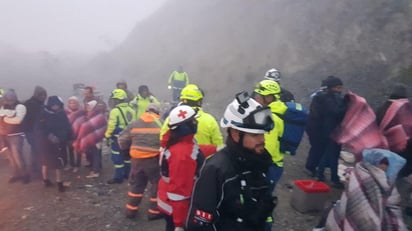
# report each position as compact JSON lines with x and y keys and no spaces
{"x":380,"y":140}
{"x":197,"y":180}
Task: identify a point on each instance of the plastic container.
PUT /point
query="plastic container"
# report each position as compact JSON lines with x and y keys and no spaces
{"x":309,"y":195}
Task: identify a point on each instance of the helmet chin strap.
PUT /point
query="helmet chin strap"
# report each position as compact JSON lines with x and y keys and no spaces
{"x":241,"y":136}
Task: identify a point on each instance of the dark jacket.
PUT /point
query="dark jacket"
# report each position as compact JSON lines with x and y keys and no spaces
{"x":232,"y":192}
{"x":286,"y":96}
{"x":33,"y":107}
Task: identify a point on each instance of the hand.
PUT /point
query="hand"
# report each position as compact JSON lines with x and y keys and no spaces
{"x":179,"y":229}
{"x":107,"y":141}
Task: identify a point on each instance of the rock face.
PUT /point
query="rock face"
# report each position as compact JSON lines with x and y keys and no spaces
{"x":228,"y":45}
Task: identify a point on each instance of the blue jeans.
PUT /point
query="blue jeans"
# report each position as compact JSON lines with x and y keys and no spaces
{"x":18,"y":164}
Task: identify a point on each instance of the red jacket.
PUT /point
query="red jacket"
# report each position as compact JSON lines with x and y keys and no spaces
{"x":179,"y":164}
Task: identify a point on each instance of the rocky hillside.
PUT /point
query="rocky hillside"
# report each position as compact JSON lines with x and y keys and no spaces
{"x":227,"y":45}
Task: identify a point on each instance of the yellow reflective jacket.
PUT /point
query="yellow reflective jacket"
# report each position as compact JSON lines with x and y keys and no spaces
{"x":179,"y":77}
{"x":272,"y":143}
{"x":117,"y":122}
{"x":139,"y":104}
{"x":208,"y":131}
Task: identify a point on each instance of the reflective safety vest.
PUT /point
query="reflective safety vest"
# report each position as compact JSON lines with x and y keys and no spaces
{"x":143,"y":135}
{"x":119,"y":118}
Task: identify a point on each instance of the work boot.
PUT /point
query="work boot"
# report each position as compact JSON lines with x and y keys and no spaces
{"x":152,"y":216}
{"x":115,"y":181}
{"x":47,"y":183}
{"x":61,"y":187}
{"x":131,"y":214}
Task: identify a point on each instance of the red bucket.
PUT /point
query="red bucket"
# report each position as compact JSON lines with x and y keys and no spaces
{"x":311,"y":186}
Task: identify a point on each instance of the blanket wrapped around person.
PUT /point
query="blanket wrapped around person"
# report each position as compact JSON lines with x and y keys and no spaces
{"x":370,"y":201}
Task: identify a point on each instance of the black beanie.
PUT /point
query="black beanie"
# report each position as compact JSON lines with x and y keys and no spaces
{"x":54,"y":100}
{"x":332,"y":81}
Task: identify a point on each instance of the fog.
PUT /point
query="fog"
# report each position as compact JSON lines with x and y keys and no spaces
{"x":224,"y":45}
{"x":73,"y":26}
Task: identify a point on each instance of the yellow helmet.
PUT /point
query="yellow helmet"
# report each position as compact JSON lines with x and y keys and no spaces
{"x":267,"y":87}
{"x":119,"y":94}
{"x":191,"y":92}
{"x":1,"y":92}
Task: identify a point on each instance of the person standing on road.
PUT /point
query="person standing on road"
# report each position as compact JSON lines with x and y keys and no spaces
{"x":34,"y":106}
{"x":180,"y":163}
{"x":233,"y":191}
{"x":12,"y":113}
{"x":330,"y":110}
{"x":56,"y":131}
{"x":142,"y":100}
{"x":91,"y":134}
{"x":178,"y":79}
{"x":141,"y":137}
{"x":120,"y":116}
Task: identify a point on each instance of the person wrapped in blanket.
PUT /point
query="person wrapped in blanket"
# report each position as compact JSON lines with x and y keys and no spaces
{"x":370,"y":200}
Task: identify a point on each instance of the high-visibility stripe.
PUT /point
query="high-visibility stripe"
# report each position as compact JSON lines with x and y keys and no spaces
{"x":127,"y":161}
{"x":145,"y":130}
{"x":151,"y":211}
{"x":153,"y":199}
{"x":131,"y":207}
{"x":115,"y":152}
{"x":165,"y":207}
{"x":118,"y":165}
{"x":166,"y":179}
{"x":138,"y":195}
{"x":144,"y":149}
{"x":176,"y":197}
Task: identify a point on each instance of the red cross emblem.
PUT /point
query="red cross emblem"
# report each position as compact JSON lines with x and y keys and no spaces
{"x":182,"y":114}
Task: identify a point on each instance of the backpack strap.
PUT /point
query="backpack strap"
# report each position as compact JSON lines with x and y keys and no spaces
{"x":124,"y":118}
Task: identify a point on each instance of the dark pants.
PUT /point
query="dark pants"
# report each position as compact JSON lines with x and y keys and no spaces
{"x":315,"y":153}
{"x":33,"y":140}
{"x":143,"y":171}
{"x":330,"y":158}
{"x":170,"y":226}
{"x":72,"y":158}
{"x":94,"y":155}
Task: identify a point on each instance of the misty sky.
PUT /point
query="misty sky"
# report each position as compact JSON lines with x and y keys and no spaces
{"x":85,"y":26}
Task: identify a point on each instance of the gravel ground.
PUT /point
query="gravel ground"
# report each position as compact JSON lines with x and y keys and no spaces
{"x":90,"y":204}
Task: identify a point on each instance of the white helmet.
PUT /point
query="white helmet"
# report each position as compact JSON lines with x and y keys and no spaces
{"x":180,"y":114}
{"x":273,"y":74}
{"x":245,"y":114}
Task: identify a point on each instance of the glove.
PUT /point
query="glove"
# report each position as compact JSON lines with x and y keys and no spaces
{"x":169,"y":87}
{"x":179,"y":229}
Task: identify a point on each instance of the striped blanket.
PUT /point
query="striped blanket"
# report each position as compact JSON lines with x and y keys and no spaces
{"x":368,"y":203}
{"x":396,"y":125}
{"x":358,"y":129}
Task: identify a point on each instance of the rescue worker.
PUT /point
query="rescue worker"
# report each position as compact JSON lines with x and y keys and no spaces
{"x":208,"y":134}
{"x":267,"y":93}
{"x":122,"y":85}
{"x":180,"y":163}
{"x":178,"y":79}
{"x":285,"y":95}
{"x":142,"y":100}
{"x":120,"y":116}
{"x":141,"y":137}
{"x":232,"y":191}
